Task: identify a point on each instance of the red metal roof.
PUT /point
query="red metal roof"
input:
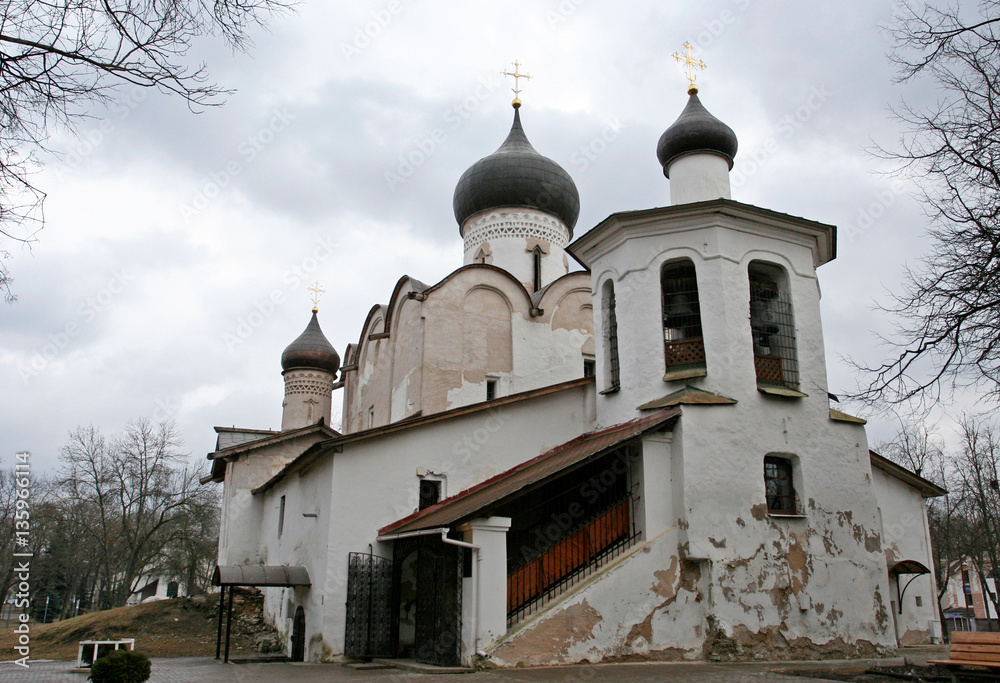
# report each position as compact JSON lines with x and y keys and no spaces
{"x":503,"y":485}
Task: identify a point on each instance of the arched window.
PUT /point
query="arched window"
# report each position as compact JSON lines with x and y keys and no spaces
{"x":612,"y":373}
{"x":773,"y":327}
{"x":684,"y":346}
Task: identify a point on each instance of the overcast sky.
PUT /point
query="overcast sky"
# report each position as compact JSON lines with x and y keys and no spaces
{"x":173,"y":266}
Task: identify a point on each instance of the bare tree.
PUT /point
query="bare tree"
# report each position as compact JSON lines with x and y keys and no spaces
{"x":978,"y":470}
{"x":56,"y":57}
{"x":194,"y":548}
{"x":8,"y":500}
{"x":948,"y":332}
{"x":130,"y":496}
{"x":913,"y":447}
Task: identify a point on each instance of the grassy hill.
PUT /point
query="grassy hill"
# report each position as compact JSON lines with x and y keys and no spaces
{"x":182,"y":627}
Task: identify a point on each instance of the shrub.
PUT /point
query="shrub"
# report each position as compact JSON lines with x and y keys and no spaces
{"x":120,"y":666}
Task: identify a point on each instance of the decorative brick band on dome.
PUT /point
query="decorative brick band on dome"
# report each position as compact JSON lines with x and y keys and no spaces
{"x":492,"y":225}
{"x":308,"y":382}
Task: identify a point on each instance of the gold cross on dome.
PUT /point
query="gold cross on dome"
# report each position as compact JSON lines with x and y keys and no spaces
{"x":690,"y":63}
{"x":516,"y":75}
{"x":317,"y":294}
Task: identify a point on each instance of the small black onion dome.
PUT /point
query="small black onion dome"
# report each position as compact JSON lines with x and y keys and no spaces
{"x":517,"y":175}
{"x":696,"y":131}
{"x":311,"y":350}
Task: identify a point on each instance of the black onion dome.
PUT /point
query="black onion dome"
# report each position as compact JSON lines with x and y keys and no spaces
{"x":694,"y":131}
{"x":311,"y":350}
{"x":517,"y":175}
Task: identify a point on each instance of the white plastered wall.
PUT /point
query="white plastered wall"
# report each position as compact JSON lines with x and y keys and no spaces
{"x":374,"y":482}
{"x":304,"y":531}
{"x":905,"y":537}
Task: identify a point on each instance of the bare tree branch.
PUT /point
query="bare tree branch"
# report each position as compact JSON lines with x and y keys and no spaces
{"x":60,"y":56}
{"x":947,"y":331}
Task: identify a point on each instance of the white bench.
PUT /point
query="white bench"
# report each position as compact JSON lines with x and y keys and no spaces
{"x":90,"y":650}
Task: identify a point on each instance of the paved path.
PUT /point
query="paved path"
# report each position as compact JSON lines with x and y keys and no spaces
{"x":208,"y":670}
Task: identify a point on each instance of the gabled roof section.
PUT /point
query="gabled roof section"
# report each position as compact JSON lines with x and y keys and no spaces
{"x":414,"y":422}
{"x":822,"y":236}
{"x":928,"y":489}
{"x":219,"y":457}
{"x":689,"y":396}
{"x":467,"y":503}
{"x":237,"y":435}
{"x":275,"y":437}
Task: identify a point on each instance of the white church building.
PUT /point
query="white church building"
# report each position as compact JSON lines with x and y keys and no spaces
{"x":633,"y":461}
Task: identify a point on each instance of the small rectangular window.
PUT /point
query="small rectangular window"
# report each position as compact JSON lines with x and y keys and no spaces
{"x":281,"y":516}
{"x":778,"y":485}
{"x":371,"y":417}
{"x":920,"y":601}
{"x":491,"y":388}
{"x":589,"y":367}
{"x":430,"y":493}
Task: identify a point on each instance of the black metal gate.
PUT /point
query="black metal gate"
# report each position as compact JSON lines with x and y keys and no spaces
{"x":439,"y":604}
{"x":369,"y":612}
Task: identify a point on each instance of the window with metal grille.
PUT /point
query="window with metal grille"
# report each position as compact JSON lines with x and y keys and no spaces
{"x":778,"y":485}
{"x":682,"y":337}
{"x":612,"y":369}
{"x":773,"y":327}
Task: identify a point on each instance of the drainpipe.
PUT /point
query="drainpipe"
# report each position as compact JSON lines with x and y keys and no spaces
{"x":443,"y":532}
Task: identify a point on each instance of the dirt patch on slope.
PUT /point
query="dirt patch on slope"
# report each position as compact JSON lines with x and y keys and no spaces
{"x":183,"y":627}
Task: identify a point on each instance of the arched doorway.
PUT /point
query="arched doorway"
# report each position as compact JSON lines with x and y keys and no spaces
{"x":299,"y":635}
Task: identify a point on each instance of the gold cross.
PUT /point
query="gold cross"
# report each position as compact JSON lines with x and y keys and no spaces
{"x":316,"y":296}
{"x":515,"y":89}
{"x":691,"y":63}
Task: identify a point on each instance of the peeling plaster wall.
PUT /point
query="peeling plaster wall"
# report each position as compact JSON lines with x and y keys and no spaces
{"x":478,"y":323}
{"x":820,"y":575}
{"x":905,"y":537}
{"x":728,"y":580}
{"x":650,"y":605}
{"x":811,"y":583}
{"x":407,"y":362}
